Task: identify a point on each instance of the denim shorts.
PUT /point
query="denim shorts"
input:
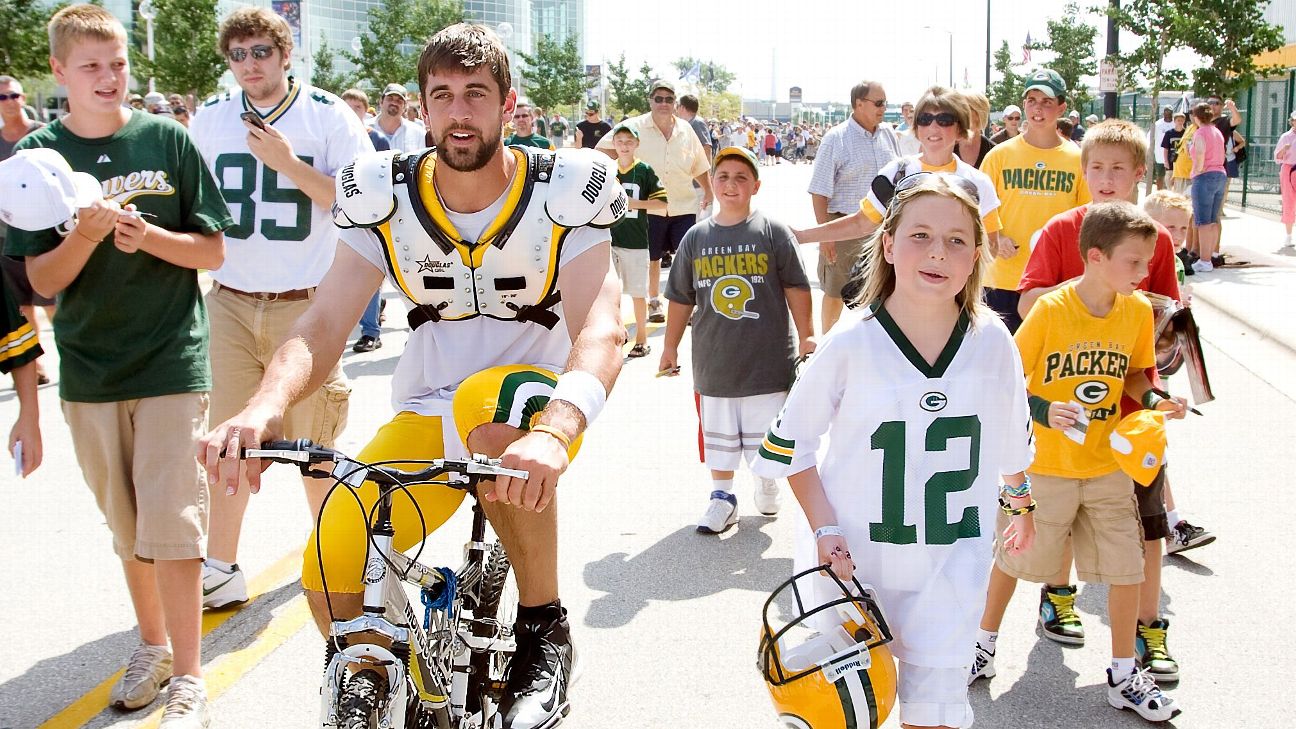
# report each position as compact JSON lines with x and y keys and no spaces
{"x":1208,"y":196}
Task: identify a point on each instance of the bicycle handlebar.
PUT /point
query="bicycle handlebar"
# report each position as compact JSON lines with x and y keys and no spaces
{"x":304,"y":454}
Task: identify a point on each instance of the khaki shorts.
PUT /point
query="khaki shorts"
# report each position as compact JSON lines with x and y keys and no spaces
{"x":137,"y":456}
{"x":632,"y":268}
{"x":245,"y":333}
{"x":833,"y":276}
{"x":1100,"y":515}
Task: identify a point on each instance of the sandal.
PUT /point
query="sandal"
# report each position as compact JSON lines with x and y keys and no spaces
{"x":639,"y":350}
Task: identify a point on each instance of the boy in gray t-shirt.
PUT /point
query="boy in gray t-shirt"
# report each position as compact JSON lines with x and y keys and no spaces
{"x":741,"y":272}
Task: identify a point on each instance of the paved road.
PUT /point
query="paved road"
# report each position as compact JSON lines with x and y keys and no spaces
{"x":666,"y":619}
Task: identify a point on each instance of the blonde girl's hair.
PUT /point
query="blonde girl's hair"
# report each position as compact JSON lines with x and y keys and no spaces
{"x":878,"y":275}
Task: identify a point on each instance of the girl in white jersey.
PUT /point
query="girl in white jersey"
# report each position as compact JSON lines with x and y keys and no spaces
{"x":923,"y":407}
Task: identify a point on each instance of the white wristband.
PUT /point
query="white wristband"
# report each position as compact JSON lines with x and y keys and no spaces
{"x":583,"y":391}
{"x":831,"y":530}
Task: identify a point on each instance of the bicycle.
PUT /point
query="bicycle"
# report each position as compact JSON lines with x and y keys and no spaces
{"x":445,"y":672}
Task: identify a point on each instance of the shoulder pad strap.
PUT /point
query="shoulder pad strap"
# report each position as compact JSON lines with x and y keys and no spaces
{"x":363,"y":195}
{"x":583,"y":189}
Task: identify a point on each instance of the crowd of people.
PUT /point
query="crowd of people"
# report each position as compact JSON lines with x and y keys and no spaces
{"x":995,"y":269}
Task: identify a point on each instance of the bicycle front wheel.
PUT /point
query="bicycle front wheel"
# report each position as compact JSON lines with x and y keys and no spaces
{"x":359,"y":702}
{"x":498,"y":605}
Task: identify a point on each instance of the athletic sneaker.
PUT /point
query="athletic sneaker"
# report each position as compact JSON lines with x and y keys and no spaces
{"x":186,"y":704}
{"x":982,"y":664}
{"x":221,"y":588}
{"x":1152,"y":652}
{"x":1185,"y":536}
{"x":721,"y":513}
{"x":656,"y":315}
{"x":1057,"y":615}
{"x":1140,"y":694}
{"x":1203,"y":266}
{"x":147,"y":671}
{"x":768,"y":499}
{"x":535,"y":691}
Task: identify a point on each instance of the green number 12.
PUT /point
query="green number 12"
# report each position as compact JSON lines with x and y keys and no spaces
{"x":890,"y":439}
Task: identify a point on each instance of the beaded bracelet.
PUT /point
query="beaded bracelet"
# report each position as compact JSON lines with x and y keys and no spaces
{"x":1010,"y":511}
{"x":1018,"y":492}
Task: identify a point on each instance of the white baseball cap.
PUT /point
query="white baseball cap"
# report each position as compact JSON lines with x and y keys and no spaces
{"x":1012,"y":109}
{"x":39,"y":191}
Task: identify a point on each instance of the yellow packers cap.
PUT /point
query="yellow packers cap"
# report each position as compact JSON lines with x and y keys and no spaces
{"x":742,"y":153}
{"x":1139,"y":444}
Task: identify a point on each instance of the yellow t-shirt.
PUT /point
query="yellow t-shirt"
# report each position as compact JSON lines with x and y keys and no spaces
{"x":1034,"y":185}
{"x":1070,"y":355}
{"x":1183,"y":163}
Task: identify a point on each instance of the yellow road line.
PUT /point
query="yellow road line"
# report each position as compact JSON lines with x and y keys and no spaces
{"x":92,"y":703}
{"x":225,"y":671}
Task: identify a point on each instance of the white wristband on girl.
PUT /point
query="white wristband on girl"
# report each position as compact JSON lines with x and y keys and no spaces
{"x":583,"y":391}
{"x":830,"y":530}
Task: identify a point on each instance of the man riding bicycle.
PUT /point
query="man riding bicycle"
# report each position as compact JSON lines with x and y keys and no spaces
{"x":505,"y":255}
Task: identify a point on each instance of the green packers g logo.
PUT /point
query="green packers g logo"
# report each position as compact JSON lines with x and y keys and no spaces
{"x":933,"y":402}
{"x":1092,"y":392}
{"x":730,"y":296}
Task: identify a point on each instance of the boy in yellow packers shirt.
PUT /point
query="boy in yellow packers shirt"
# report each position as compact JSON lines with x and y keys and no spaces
{"x":1083,"y":346}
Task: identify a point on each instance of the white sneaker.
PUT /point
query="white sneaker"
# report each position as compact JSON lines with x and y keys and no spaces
{"x":768,"y":498}
{"x":982,"y":664}
{"x":721,"y":513}
{"x":147,"y":670}
{"x":221,"y":588}
{"x":186,"y":704}
{"x":1203,"y":266}
{"x":1139,"y":693}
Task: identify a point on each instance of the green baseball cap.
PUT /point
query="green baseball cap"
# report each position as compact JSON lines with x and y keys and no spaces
{"x":1048,"y":81}
{"x":625,"y":128}
{"x":739,"y":153}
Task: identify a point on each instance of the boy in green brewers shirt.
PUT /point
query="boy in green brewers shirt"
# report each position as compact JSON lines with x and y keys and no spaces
{"x":132,"y":340}
{"x":630,"y":235}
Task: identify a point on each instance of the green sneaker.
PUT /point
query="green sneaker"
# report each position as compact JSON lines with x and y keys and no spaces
{"x":1057,"y":615}
{"x":1152,"y":653}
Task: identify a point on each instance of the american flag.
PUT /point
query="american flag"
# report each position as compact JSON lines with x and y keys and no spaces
{"x":1026,"y":48}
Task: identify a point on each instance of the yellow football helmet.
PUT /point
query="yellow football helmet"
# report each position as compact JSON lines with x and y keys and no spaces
{"x":730,"y":296}
{"x":842,"y":677}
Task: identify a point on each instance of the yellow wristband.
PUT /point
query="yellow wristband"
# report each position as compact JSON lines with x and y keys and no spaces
{"x":548,"y":430}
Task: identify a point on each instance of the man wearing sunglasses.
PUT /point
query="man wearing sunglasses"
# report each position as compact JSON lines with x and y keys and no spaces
{"x":273,"y":146}
{"x":594,"y":128}
{"x":669,"y":145}
{"x":1012,"y":118}
{"x":849,"y":157}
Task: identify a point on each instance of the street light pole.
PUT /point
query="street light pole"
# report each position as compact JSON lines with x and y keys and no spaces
{"x":987,"y":45}
{"x":950,"y":33}
{"x":148,"y":13}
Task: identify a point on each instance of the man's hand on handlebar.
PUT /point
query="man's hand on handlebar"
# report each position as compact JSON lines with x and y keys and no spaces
{"x":545,"y":458}
{"x":219,"y":451}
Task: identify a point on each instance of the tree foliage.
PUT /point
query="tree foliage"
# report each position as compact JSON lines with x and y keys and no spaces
{"x":628,"y":96}
{"x":1008,"y":89}
{"x":325,"y":74}
{"x":24,"y":46}
{"x":1071,"y":40}
{"x":719,"y":105}
{"x":555,"y":75}
{"x":711,"y":76}
{"x":1228,"y":34}
{"x":398,"y":30}
{"x":186,"y":59}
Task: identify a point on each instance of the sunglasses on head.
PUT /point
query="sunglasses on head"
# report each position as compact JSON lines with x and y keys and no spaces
{"x":663,"y":99}
{"x":260,"y":53}
{"x":916,"y":179}
{"x":944,"y":119}
{"x":879,"y":103}
{"x":6,"y":97}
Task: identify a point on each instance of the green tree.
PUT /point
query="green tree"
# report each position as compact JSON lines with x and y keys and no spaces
{"x":712,"y":76}
{"x":186,"y":59}
{"x":623,"y":90}
{"x":721,"y":105}
{"x":1071,"y":39}
{"x":1157,"y":24}
{"x":325,"y":75}
{"x":24,"y":45}
{"x":1008,"y":88}
{"x":1228,"y":35}
{"x":555,"y":75}
{"x":398,"y":30}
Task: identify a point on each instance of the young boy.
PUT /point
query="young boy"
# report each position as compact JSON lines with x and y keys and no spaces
{"x":1113,"y":157}
{"x":1173,"y":212}
{"x":630,"y":235}
{"x":1082,"y":347}
{"x":134,"y":378}
{"x":745,"y":269}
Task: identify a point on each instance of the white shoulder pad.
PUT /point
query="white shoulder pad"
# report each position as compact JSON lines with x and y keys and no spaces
{"x":363,"y":196}
{"x":583,"y":189}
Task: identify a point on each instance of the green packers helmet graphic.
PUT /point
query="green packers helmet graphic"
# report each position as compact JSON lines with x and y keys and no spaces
{"x":730,"y":296}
